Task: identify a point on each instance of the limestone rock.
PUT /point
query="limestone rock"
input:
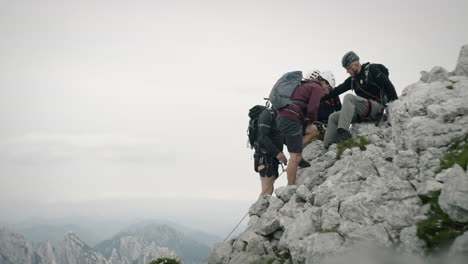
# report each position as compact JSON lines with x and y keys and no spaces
{"x":72,"y":250}
{"x":436,"y":74}
{"x":410,"y":243}
{"x":14,"y":248}
{"x":460,"y":246}
{"x":286,"y":192}
{"x":454,"y":196}
{"x":462,"y":63}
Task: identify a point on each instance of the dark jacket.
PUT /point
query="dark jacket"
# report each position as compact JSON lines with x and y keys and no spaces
{"x":327,"y":107}
{"x":370,"y":90}
{"x":306,"y":99}
{"x":269,"y":137}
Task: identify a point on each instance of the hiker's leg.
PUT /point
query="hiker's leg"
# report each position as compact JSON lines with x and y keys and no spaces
{"x":352,"y":107}
{"x":331,"y":128}
{"x":267,"y":185}
{"x":292,"y":134}
{"x":311,"y":133}
{"x":376,"y":110}
{"x":268,"y":177}
{"x":291,"y":170}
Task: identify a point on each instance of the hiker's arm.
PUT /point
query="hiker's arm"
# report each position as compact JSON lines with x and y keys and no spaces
{"x":337,"y":103}
{"x":314,"y":103}
{"x":385,"y":82}
{"x":263,"y":137}
{"x":344,"y":87}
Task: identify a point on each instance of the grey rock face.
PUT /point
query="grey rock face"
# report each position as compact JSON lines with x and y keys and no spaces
{"x":285,"y":192}
{"x":220,"y":254}
{"x":436,"y":74}
{"x":45,"y":253}
{"x":462,"y":63}
{"x":410,"y":243}
{"x":370,"y":198}
{"x":14,"y":248}
{"x":460,"y":246}
{"x":454,"y":196}
{"x":72,"y":250}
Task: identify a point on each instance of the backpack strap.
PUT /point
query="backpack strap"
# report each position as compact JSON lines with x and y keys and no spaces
{"x":371,"y":81}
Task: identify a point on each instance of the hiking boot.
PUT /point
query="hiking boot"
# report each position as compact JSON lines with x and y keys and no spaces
{"x":304,"y":163}
{"x":342,"y":135}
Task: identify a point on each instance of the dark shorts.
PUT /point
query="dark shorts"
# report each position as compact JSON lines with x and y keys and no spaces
{"x":266,"y":166}
{"x":292,"y":134}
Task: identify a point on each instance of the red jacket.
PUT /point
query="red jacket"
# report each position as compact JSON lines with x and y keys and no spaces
{"x":306,"y":100}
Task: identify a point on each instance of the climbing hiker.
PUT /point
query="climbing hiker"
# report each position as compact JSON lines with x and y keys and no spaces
{"x":326,"y":107}
{"x":373,"y":91}
{"x":330,"y":105}
{"x":268,"y":145}
{"x":303,"y":103}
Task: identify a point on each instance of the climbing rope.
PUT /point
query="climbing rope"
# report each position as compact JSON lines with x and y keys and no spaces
{"x":271,"y":186}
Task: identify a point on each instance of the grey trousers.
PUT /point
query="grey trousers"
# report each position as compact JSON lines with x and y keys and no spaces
{"x":353,"y":107}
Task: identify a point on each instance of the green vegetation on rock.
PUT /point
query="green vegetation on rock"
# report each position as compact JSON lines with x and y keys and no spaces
{"x":165,"y":261}
{"x":438,"y":230}
{"x":283,"y":258}
{"x":359,"y":142}
{"x":456,"y":154}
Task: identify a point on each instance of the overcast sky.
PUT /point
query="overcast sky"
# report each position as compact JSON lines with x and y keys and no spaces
{"x":149,"y":99}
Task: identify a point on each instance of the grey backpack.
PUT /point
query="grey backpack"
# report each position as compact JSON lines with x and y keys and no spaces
{"x":283,"y":88}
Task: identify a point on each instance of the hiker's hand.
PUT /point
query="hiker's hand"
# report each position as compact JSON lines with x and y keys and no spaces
{"x":282,"y":158}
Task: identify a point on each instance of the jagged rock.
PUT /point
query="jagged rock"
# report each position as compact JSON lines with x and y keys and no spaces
{"x":14,"y":248}
{"x":286,"y":192}
{"x":220,"y":254}
{"x":292,"y":209}
{"x":250,"y":241}
{"x":460,"y":246}
{"x":427,"y":186}
{"x":72,"y":250}
{"x":436,"y":74}
{"x":355,"y":233}
{"x":444,"y":175}
{"x":454,"y":196}
{"x":45,"y":253}
{"x":260,"y":206}
{"x":462,"y":63}
{"x":115,"y":258}
{"x":314,"y":150}
{"x":330,"y":216}
{"x":274,"y":204}
{"x":243,"y":258}
{"x":303,"y":193}
{"x":304,"y":225}
{"x":410,"y":243}
{"x":267,"y":226}
{"x":317,"y":246}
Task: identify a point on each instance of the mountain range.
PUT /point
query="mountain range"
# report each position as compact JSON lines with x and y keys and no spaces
{"x":137,"y":243}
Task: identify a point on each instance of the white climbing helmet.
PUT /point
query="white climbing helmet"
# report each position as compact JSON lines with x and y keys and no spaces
{"x":329,"y":77}
{"x":312,"y":74}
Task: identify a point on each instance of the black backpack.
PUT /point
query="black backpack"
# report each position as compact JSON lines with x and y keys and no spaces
{"x":252,"y":130}
{"x":381,"y":69}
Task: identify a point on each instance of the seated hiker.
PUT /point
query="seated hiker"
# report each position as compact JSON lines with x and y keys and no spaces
{"x":305,"y":102}
{"x":373,"y":90}
{"x":268,"y":147}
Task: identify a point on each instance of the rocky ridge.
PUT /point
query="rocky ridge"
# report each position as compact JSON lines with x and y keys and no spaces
{"x":373,"y":197}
